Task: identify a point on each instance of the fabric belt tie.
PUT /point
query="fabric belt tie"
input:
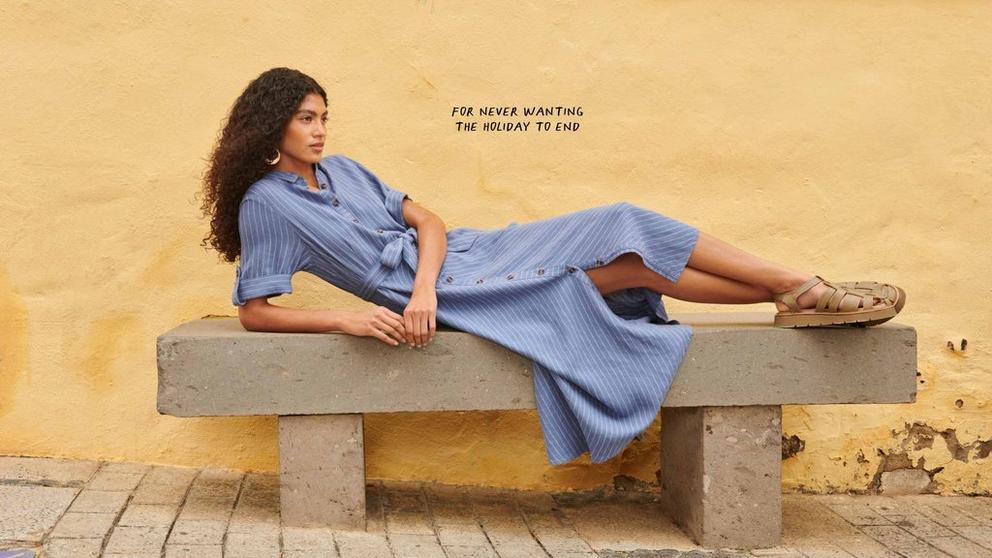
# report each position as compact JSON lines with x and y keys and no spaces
{"x":388,"y":260}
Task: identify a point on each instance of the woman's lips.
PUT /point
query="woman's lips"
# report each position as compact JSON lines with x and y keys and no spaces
{"x":317,"y":147}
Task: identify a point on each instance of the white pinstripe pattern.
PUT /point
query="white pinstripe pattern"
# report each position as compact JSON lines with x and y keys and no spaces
{"x":601,"y":365}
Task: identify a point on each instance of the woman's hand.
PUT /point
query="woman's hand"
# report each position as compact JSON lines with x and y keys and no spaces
{"x":419,"y":316}
{"x":379,"y":322}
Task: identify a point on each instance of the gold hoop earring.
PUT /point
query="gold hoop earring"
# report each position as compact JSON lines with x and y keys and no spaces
{"x":271,"y":162}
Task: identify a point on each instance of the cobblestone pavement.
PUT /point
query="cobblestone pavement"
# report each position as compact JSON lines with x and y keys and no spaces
{"x":79,"y":509}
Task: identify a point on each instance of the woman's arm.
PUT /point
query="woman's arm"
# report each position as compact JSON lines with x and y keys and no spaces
{"x":380,"y":322}
{"x":420,"y":316}
{"x":258,"y":315}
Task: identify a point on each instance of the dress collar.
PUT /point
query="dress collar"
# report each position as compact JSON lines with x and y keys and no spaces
{"x":295,"y":178}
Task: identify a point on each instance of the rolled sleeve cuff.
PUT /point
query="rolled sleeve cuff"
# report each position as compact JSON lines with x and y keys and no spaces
{"x":394,"y":205}
{"x":270,"y":285}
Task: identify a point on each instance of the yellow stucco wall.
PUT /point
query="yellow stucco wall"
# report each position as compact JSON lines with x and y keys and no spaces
{"x":847,"y":139}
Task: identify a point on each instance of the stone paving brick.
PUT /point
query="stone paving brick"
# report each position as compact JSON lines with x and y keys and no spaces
{"x":457,"y":551}
{"x":197,"y":531}
{"x":47,"y":471}
{"x":859,"y":514}
{"x":218,"y":509}
{"x":979,"y":534}
{"x":946,"y":514}
{"x":403,"y":497}
{"x":307,"y":538}
{"x":960,"y":547}
{"x":462,"y":535}
{"x":148,"y":515}
{"x":72,"y":548}
{"x":618,"y":525}
{"x":175,"y":476}
{"x":902,"y":542}
{"x":822,"y":549}
{"x":415,"y":546}
{"x":257,"y":507}
{"x":561,"y":541}
{"x":105,"y":480}
{"x":412,"y":523}
{"x":28,"y":512}
{"x":213,"y":491}
{"x":83,"y":525}
{"x":521,"y":550}
{"x":922,"y":526}
{"x":546,"y":520}
{"x":777,"y":552}
{"x":252,"y":545}
{"x":193,"y":551}
{"x":978,"y":507}
{"x":353,"y":544}
{"x":135,"y":540}
{"x":532,"y":501}
{"x":152,"y":493}
{"x":99,"y":501}
{"x":449,"y":506}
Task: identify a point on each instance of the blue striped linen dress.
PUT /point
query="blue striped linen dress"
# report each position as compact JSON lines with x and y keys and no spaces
{"x":602,"y":365}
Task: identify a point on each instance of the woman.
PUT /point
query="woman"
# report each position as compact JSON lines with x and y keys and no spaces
{"x":578,"y":294}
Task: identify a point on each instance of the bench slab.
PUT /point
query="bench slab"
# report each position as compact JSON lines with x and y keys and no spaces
{"x":213,"y":367}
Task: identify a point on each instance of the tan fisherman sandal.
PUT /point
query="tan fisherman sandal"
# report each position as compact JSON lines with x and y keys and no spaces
{"x":884,"y":290}
{"x":837,"y":306}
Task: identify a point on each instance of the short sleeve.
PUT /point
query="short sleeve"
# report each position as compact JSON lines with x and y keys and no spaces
{"x":271,"y":252}
{"x":391,"y":198}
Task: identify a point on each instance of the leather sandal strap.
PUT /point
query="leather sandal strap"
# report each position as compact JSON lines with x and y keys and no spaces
{"x":856,"y":301}
{"x":790,"y":297}
{"x":843,"y":300}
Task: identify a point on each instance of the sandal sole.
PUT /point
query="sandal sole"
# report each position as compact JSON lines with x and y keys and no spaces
{"x":813,"y":319}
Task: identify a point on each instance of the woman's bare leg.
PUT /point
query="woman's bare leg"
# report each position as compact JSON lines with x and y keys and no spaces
{"x":715,"y":256}
{"x":628,"y":270}
{"x":716,"y":272}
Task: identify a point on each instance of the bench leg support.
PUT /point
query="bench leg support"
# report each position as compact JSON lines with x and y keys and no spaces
{"x":322,"y":471}
{"x":722,"y":474}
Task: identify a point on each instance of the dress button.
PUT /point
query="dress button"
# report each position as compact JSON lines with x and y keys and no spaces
{"x":510,"y":276}
{"x":355,"y":220}
{"x":477,"y":281}
{"x":540,"y":271}
{"x":378,"y":231}
{"x":323,"y":186}
{"x":449,"y":279}
{"x":335,"y":202}
{"x":571,"y":269}
{"x":599,"y":261}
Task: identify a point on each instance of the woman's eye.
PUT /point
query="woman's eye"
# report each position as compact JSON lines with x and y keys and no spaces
{"x":307,"y":118}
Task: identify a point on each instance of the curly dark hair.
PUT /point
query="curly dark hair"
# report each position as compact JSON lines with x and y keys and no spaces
{"x":252,"y":134}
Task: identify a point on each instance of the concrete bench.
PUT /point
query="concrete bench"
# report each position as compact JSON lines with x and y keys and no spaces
{"x":721,"y":421}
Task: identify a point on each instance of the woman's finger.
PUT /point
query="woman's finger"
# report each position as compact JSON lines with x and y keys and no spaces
{"x":392,"y":330}
{"x":385,"y":338}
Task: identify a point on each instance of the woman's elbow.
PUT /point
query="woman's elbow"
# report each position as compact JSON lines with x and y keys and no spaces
{"x":249,"y":314}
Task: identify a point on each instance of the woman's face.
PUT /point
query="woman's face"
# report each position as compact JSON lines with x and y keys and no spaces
{"x":303,"y":141}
